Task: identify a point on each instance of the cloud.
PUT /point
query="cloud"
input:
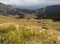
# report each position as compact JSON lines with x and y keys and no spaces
{"x":30,"y":2}
{"x":22,"y":2}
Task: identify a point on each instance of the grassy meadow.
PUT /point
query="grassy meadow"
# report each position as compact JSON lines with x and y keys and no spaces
{"x":28,"y":31}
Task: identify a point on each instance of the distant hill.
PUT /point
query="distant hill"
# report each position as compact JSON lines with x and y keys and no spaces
{"x":30,"y":7}
{"x":26,"y":11}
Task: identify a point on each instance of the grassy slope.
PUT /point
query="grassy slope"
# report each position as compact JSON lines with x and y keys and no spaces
{"x":46,"y":23}
{"x":10,"y":34}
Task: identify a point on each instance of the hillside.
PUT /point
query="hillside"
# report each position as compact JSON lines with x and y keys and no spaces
{"x":9,"y":10}
{"x":46,"y":23}
{"x":53,"y":11}
{"x":26,"y":31}
{"x":6,"y":9}
{"x":49,"y":12}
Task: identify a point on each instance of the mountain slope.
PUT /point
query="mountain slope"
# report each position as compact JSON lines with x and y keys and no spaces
{"x":5,"y":9}
{"x":53,"y":11}
{"x":50,"y":12}
{"x":9,"y":10}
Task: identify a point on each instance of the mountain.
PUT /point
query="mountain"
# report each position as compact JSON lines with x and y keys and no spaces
{"x":10,"y":10}
{"x":6,"y":9}
{"x":27,"y":11}
{"x":30,"y":7}
{"x":50,"y":12}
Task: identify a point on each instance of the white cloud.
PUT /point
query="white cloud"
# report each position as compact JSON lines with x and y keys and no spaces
{"x":30,"y":2}
{"x":22,"y":2}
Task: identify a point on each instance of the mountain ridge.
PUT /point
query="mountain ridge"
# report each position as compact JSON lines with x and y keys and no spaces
{"x":52,"y":11}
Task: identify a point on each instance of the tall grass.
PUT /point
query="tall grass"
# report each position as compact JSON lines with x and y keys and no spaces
{"x":10,"y":35}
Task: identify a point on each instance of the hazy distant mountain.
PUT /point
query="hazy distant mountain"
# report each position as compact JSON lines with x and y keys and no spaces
{"x":32,"y":7}
{"x":26,"y":11}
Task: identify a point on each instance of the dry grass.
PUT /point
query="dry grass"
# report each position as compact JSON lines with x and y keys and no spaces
{"x":46,"y":23}
{"x":24,"y":35}
{"x":32,"y":31}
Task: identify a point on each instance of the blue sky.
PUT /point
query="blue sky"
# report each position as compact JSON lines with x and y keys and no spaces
{"x":30,"y":2}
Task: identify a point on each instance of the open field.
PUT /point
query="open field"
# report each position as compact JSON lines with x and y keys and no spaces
{"x":45,"y":23}
{"x":28,"y":31}
{"x":11,"y":33}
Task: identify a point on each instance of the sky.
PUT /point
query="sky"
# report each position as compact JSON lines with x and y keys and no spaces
{"x":30,"y":2}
